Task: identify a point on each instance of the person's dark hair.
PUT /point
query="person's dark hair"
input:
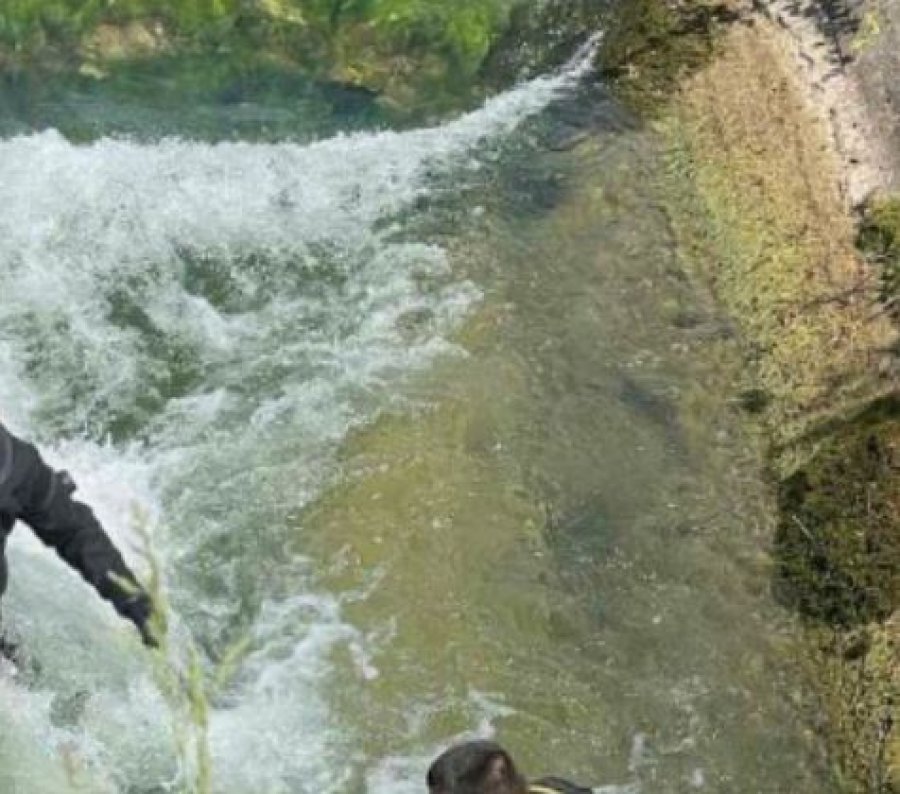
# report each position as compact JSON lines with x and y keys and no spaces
{"x":475,"y":768}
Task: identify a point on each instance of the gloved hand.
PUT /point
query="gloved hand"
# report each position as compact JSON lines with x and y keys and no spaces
{"x":139,"y":609}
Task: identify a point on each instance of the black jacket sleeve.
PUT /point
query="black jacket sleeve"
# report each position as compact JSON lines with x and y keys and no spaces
{"x":45,"y":503}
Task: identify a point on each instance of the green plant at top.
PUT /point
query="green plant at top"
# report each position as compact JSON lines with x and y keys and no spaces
{"x":26,"y":22}
{"x":329,"y":15}
{"x":461,"y":30}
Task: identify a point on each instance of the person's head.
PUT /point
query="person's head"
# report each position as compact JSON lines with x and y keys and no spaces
{"x":475,"y":768}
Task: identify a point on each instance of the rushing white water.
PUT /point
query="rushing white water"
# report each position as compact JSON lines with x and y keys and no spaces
{"x":194,"y":329}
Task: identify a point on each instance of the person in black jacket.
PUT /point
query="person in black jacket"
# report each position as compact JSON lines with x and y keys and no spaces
{"x":32,"y":492}
{"x":486,"y":768}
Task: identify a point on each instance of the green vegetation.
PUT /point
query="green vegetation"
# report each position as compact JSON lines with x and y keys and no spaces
{"x":879,"y":240}
{"x":463,"y":29}
{"x":837,"y":563}
{"x":409,"y":50}
{"x":32,"y":24}
{"x":837,"y":548}
{"x":651,"y":47}
{"x":428,"y":52}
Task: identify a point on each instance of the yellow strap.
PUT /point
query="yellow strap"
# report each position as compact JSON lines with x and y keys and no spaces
{"x":541,"y":790}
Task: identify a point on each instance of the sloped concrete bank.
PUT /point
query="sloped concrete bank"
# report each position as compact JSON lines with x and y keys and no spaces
{"x":783,"y":153}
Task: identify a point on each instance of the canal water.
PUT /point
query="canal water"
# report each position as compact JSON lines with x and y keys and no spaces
{"x":433,"y":436}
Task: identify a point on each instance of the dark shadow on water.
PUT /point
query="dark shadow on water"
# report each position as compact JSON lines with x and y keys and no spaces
{"x":654,"y":405}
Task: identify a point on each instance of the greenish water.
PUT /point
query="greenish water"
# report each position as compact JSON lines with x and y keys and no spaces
{"x":433,"y":419}
{"x":200,"y":97}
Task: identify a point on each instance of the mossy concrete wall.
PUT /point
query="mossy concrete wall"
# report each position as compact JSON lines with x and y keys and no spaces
{"x":757,"y":205}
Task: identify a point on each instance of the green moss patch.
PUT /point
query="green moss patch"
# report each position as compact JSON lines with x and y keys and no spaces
{"x":879,"y":240}
{"x":421,"y":53}
{"x":651,"y":46}
{"x":837,"y":563}
{"x":837,"y":548}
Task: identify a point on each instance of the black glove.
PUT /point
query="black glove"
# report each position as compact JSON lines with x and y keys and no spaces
{"x":139,"y":609}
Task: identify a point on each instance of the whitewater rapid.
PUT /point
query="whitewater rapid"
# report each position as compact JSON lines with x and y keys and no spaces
{"x":194,"y":329}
